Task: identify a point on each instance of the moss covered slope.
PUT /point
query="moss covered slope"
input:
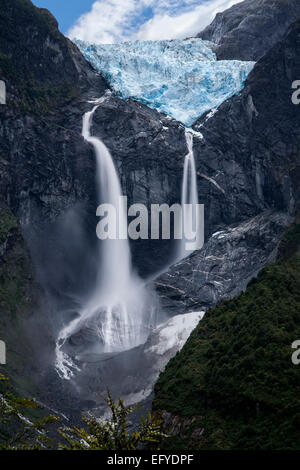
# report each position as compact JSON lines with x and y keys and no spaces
{"x":233,"y":385}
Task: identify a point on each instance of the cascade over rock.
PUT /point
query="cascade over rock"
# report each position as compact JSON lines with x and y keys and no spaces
{"x":189,"y":201}
{"x":119,"y":312}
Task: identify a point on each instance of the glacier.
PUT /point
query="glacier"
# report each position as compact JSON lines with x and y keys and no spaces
{"x":181,"y":78}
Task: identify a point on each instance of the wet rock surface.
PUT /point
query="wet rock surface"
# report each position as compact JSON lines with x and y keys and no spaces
{"x":224,"y":266}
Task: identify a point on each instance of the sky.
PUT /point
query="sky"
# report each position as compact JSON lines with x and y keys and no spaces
{"x":114,"y":21}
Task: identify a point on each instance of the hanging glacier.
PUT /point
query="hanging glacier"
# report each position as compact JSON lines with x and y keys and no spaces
{"x":181,"y":78}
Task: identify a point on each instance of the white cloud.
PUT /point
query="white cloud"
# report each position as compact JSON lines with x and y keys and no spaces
{"x":164,"y":26}
{"x":105,"y":22}
{"x":112,"y":21}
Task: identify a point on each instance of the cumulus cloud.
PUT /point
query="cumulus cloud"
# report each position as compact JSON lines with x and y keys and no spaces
{"x":166,"y":26}
{"x":105,"y":22}
{"x":113,"y":21}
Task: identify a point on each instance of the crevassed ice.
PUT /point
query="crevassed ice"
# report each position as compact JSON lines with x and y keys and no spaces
{"x":181,"y":78}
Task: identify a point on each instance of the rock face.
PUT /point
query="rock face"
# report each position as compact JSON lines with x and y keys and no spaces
{"x":253,"y":135}
{"x":247,"y":31}
{"x":224,"y":266}
{"x":21,"y":311}
{"x":46,"y":81}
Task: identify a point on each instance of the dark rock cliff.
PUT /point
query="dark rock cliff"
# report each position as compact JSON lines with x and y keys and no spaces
{"x":247,"y":31}
{"x":47,"y":82}
{"x":225,"y":265}
{"x":254,"y":134}
{"x":21,"y":310}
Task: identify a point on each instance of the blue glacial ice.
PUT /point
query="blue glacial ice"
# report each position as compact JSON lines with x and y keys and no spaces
{"x":181,"y":78}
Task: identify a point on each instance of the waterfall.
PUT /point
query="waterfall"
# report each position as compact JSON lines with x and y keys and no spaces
{"x":189,"y":198}
{"x":120,"y":311}
{"x":115,"y":254}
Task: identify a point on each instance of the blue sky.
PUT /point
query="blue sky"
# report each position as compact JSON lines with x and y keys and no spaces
{"x":113,"y":21}
{"x":65,"y":15}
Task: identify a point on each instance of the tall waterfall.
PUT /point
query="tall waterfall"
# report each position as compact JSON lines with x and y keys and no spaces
{"x":189,"y":197}
{"x":115,"y":254}
{"x":120,"y":311}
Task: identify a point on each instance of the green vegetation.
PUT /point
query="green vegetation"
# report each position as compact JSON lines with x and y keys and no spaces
{"x":18,"y":301}
{"x":234,"y":375}
{"x":112,"y":434}
{"x":15,"y":268}
{"x":290,"y":243}
{"x":7,"y":222}
{"x":20,"y":429}
{"x":39,"y":99}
